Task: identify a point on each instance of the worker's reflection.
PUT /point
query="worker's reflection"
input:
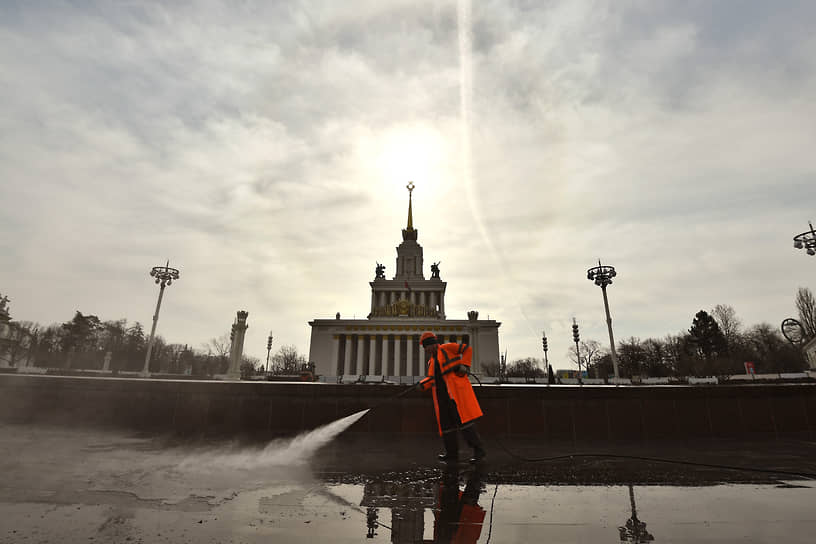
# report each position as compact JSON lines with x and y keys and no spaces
{"x":459,"y":517}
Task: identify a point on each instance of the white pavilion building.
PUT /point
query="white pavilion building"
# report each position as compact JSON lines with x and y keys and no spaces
{"x":386,"y":344}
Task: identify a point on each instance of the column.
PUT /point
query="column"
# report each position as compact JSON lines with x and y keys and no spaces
{"x":397,"y":342}
{"x":336,"y":364}
{"x":240,"y":326}
{"x":409,"y":352}
{"x":372,"y":355}
{"x":385,"y":353}
{"x":474,"y":344}
{"x":360,"y":353}
{"x":423,"y":363}
{"x":347,"y":358}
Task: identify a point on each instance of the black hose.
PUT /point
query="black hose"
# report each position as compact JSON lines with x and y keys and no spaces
{"x":806,"y":475}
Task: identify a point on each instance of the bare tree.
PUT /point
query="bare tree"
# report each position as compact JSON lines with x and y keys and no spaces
{"x":491,"y":369}
{"x":806,"y":305}
{"x":20,"y":343}
{"x":632,"y":356}
{"x":525,"y":368}
{"x":287,"y":361}
{"x":250,"y":366}
{"x":591,"y":353}
{"x":219,"y":346}
{"x":729,"y":323}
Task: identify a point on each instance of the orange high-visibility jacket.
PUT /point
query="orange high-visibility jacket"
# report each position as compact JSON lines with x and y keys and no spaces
{"x":450,"y":356}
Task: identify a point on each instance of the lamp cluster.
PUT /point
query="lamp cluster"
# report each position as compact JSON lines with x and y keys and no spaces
{"x":601,"y":275}
{"x":164,"y":274}
{"x":806,"y":240}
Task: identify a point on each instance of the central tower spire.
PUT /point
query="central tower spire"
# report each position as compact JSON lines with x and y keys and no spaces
{"x":409,"y":233}
{"x":409,"y":252}
{"x":410,"y":188}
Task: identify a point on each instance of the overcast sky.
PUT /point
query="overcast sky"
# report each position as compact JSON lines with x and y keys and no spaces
{"x":264,"y":148}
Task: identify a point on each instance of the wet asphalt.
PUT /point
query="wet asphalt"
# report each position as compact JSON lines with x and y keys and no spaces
{"x":67,"y":485}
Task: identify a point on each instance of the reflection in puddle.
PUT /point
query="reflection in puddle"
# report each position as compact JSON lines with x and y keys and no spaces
{"x":457,"y":515}
{"x":634,"y":530}
{"x":472,"y":506}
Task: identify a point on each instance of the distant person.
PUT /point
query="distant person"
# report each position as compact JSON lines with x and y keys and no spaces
{"x":455,"y":402}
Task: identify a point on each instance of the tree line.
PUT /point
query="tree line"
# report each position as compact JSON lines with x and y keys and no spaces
{"x":716,"y":344}
{"x":86,"y":342}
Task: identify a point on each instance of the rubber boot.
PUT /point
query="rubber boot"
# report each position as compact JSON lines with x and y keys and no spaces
{"x":474,"y":441}
{"x":451,"y":454}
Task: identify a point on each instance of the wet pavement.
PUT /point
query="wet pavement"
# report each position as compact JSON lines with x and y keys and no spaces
{"x":78,"y":485}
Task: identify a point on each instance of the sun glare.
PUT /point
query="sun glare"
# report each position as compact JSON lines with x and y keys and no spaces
{"x":414,"y":152}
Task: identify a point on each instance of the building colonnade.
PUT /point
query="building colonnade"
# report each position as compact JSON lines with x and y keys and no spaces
{"x":382,"y":354}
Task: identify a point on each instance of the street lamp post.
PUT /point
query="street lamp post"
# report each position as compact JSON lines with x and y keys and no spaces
{"x":577,"y":338}
{"x":164,"y":276}
{"x":546,"y":362}
{"x":806,"y":240}
{"x":268,"y":349}
{"x":602,"y":275}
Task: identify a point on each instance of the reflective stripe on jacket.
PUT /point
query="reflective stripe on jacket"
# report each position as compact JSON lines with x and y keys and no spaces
{"x":450,"y":356}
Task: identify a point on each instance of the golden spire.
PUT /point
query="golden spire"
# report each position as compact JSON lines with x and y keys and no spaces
{"x":410,"y":188}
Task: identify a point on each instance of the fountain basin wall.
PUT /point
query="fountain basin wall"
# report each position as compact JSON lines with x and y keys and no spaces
{"x":585,"y":413}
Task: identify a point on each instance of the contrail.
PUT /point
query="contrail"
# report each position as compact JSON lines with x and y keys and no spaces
{"x":465,"y":26}
{"x":466,"y":114}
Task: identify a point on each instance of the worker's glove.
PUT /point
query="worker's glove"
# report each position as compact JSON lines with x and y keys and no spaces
{"x":461,"y":370}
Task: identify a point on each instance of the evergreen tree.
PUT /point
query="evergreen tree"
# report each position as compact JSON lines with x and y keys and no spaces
{"x":80,"y":332}
{"x":706,"y":335}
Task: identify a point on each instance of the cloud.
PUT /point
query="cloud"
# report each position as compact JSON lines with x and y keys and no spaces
{"x":264,"y":148}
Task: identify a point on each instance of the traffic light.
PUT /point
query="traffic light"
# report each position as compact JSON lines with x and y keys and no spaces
{"x":575,"y":337}
{"x":544,"y":342}
{"x":269,"y":342}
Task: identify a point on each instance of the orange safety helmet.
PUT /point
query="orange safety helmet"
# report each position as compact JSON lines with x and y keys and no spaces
{"x":427,"y":339}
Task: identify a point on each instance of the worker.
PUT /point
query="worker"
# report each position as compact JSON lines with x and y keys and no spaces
{"x":455,"y":402}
